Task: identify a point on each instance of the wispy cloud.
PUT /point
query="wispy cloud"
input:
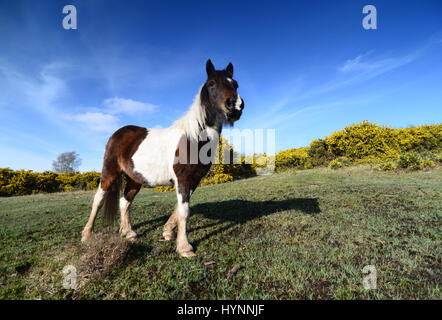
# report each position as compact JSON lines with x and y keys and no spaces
{"x":352,"y":72}
{"x":127,"y":106}
{"x":375,"y":66}
{"x":44,"y":92}
{"x":95,"y":121}
{"x":105,"y":119}
{"x":37,"y":92}
{"x":289,"y":117}
{"x":354,"y":64}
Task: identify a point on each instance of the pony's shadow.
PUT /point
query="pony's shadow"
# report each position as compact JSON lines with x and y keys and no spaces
{"x":236,"y":212}
{"x":241,"y":211}
{"x":154,"y":223}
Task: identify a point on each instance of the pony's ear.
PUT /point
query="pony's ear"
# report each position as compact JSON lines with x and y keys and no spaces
{"x":209,"y":67}
{"x":229,"y":68}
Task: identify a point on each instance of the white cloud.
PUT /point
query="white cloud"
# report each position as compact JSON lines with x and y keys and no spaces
{"x":352,"y":64}
{"x":375,"y":67}
{"x":44,"y":91}
{"x":107,"y":121}
{"x":353,"y":72}
{"x":95,"y":121}
{"x":127,"y":106}
{"x":39,"y":92}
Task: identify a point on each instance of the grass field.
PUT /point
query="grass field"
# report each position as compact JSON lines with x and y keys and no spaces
{"x":295,"y":235}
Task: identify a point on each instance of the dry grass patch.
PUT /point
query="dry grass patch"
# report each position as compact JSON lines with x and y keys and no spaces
{"x":102,"y":253}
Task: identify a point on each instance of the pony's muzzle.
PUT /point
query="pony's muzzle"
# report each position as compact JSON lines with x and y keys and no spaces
{"x":235,"y":107}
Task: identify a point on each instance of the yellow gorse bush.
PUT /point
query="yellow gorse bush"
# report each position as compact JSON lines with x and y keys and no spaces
{"x":366,"y":142}
{"x":335,"y":164}
{"x":23,"y":182}
{"x":228,"y":165}
{"x":293,"y":158}
{"x":407,"y":160}
{"x":368,"y":139}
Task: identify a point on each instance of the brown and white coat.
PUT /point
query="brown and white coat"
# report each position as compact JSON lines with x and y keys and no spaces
{"x":180,"y":155}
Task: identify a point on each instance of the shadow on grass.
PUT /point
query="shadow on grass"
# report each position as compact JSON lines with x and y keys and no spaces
{"x":154,"y":223}
{"x":241,"y":211}
{"x":236,"y":212}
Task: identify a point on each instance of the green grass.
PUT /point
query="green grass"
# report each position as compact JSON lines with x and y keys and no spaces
{"x":296,"y":235}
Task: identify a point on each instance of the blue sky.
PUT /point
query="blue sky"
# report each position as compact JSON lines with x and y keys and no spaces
{"x":304,"y":68}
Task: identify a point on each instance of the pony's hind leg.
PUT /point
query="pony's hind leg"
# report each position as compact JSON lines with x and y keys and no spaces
{"x":168,"y":233}
{"x":130,"y":192}
{"x":98,"y":203}
{"x":107,"y":195}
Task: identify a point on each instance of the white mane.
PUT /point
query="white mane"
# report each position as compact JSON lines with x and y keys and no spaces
{"x":192,"y":122}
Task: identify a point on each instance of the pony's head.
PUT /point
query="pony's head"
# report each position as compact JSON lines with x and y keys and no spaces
{"x":219,"y":94}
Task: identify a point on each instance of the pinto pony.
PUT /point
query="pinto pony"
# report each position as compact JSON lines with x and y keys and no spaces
{"x":171,"y":156}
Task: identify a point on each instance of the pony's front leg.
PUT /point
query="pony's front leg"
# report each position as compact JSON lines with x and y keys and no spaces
{"x":183,"y":246}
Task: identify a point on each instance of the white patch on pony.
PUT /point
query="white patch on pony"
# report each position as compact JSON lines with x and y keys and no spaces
{"x":229,"y":79}
{"x":155,"y":155}
{"x":154,"y":158}
{"x":183,"y":209}
{"x":98,"y":198}
{"x":124,"y":211}
{"x":238,"y":103}
{"x":98,"y":202}
{"x":124,"y":204}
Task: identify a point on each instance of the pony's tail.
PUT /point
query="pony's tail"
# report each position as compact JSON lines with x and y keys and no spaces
{"x":111,"y":203}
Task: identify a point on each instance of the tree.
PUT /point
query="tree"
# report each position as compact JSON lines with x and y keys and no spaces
{"x":66,"y":162}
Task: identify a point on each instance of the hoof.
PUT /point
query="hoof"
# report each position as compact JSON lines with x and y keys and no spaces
{"x":129,"y":235}
{"x":188,"y":254}
{"x":168,"y":235}
{"x":85,"y":236}
{"x":186,"y":251}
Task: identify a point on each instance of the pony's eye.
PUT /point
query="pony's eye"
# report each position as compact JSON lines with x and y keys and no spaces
{"x":211,"y":83}
{"x":235,"y":84}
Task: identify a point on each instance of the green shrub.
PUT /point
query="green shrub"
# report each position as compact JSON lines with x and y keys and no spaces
{"x":344,"y":160}
{"x":387,"y":165}
{"x":318,"y":152}
{"x":261,"y":163}
{"x":409,"y":160}
{"x":335,"y":164}
{"x":427,"y":164}
{"x":339,"y":163}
